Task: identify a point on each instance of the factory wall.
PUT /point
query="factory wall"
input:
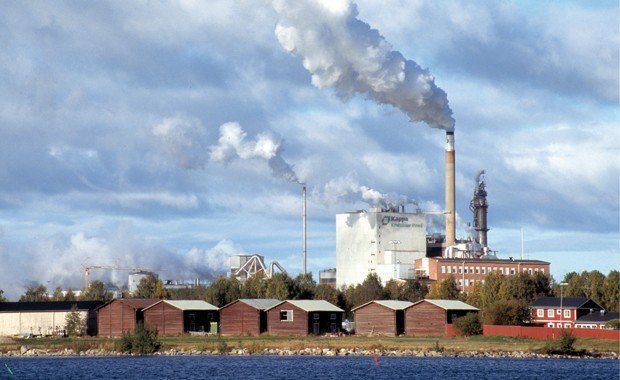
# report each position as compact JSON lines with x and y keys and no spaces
{"x":365,"y":243}
{"x":35,"y":322}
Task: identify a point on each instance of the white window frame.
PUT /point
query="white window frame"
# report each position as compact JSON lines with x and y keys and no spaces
{"x":540,"y":313}
{"x":550,"y":313}
{"x":567,"y":325}
{"x":566,"y":313}
{"x":557,"y":312}
{"x":289,"y":315}
{"x":443,"y":269}
{"x":551,"y":325}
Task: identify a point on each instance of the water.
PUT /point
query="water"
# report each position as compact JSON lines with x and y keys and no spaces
{"x":304,"y":367}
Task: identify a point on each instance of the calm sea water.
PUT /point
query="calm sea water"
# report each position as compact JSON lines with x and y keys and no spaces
{"x":304,"y":367}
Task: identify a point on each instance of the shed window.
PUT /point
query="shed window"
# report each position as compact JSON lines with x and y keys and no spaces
{"x":286,"y":315}
{"x":332,"y":316}
{"x":315,"y":316}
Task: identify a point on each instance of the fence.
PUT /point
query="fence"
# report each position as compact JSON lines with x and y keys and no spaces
{"x":546,"y":332}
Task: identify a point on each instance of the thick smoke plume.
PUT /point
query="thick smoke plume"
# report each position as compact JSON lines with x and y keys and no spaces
{"x":348,"y":189}
{"x":184,"y":142}
{"x":232,"y":143}
{"x":345,"y":53}
{"x":59,"y":260}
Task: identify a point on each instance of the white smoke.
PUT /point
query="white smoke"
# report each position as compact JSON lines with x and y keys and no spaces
{"x":182,"y":140}
{"x":348,"y":189}
{"x":232,"y":144}
{"x":58,"y":260}
{"x":345,"y":53}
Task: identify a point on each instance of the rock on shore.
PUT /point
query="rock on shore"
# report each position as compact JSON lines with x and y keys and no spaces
{"x":26,"y":351}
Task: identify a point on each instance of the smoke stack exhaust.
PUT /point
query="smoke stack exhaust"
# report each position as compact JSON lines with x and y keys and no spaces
{"x":450,"y":197}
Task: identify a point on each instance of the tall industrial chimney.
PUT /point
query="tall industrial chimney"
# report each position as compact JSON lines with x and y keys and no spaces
{"x":304,"y":216}
{"x":450,"y":197}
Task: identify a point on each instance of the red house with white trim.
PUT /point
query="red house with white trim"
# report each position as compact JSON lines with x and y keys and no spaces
{"x":562,"y":312}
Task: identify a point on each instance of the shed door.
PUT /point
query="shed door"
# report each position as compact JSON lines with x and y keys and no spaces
{"x":316,"y":328}
{"x":400,"y":322}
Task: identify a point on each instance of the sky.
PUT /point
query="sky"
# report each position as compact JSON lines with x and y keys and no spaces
{"x":173,"y":134}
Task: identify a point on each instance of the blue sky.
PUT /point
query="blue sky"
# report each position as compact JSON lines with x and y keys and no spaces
{"x":110,"y":113}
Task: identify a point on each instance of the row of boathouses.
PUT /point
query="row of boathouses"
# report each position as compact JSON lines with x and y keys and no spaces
{"x":240,"y":317}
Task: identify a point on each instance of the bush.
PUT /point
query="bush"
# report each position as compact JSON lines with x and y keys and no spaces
{"x":143,"y":340}
{"x":469,"y":324}
{"x":564,"y":345}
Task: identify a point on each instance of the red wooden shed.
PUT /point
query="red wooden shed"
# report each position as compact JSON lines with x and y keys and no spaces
{"x":245,"y":316}
{"x":177,"y":317}
{"x":303,"y":317}
{"x":430,"y":317}
{"x":119,"y":315}
{"x":385,"y":317}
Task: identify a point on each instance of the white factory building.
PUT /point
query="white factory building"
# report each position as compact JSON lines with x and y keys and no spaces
{"x":378,"y":241}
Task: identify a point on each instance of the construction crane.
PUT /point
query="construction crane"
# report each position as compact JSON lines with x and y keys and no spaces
{"x":88,"y":267}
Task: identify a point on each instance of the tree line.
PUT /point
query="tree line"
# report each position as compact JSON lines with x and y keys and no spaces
{"x":502,"y":299}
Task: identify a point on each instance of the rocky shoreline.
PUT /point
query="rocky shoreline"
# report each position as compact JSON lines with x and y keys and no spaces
{"x":26,"y":351}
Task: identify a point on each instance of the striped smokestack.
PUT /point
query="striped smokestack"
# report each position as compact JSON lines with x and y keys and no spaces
{"x":450,"y":197}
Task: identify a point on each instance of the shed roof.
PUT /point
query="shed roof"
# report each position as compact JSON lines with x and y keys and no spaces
{"x":312,"y":305}
{"x":187,"y":305}
{"x":257,"y":303}
{"x":449,"y":304}
{"x":566,"y":303}
{"x":597,"y":317}
{"x":391,"y":304}
{"x":6,"y":307}
{"x":136,"y":303}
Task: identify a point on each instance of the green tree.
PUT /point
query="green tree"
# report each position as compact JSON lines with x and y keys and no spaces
{"x":413,"y":291}
{"x":75,"y":324}
{"x":506,"y":312}
{"x":469,"y":324}
{"x":254,"y":287}
{"x":542,"y":284}
{"x":445,"y":289}
{"x":2,"y":298}
{"x":304,"y":287}
{"x":490,"y":291}
{"x":370,"y":289}
{"x":595,"y":287}
{"x":326,"y":293}
{"x":575,"y":287}
{"x":223,"y":291}
{"x":474,"y":295}
{"x":69,"y":296}
{"x":279,"y":286}
{"x":520,"y":286}
{"x":188,"y":293}
{"x":35,"y":293}
{"x":97,"y":291}
{"x":611,"y":291}
{"x":150,"y":287}
{"x":392,"y":290}
{"x":58,"y":294}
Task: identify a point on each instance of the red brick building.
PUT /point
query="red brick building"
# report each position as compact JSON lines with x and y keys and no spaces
{"x":381,"y":318}
{"x":468,"y":272}
{"x":304,"y":317}
{"x":562,"y":312}
{"x":431,"y":317}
